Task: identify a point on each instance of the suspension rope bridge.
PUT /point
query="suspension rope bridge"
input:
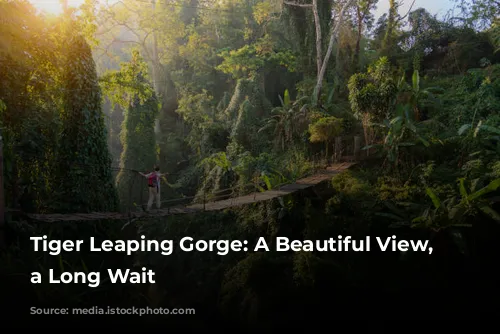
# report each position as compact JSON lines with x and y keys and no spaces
{"x":222,"y":200}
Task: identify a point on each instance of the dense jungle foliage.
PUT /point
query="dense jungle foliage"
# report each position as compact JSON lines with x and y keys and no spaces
{"x":223,"y":94}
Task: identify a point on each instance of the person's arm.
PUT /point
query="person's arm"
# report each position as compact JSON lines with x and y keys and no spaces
{"x":145,"y":175}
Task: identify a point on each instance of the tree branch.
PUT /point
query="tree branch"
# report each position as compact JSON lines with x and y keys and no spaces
{"x":409,"y":10}
{"x":297,"y":4}
{"x":106,"y":31}
{"x":123,"y":4}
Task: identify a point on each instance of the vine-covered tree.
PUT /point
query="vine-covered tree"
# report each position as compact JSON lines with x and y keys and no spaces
{"x":84,"y":163}
{"x":29,"y":117}
{"x":130,"y":88}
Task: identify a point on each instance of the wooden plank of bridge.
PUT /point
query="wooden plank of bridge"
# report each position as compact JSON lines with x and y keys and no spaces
{"x":210,"y":206}
{"x":270,"y":194}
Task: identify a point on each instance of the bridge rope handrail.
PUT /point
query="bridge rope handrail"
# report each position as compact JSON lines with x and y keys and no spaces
{"x":189,"y":208}
{"x":204,"y":197}
{"x":254,"y":185}
{"x":212,"y":198}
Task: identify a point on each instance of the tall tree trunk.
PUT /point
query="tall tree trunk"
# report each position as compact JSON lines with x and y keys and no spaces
{"x":319,"y":40}
{"x":333,"y":34}
{"x":156,"y":72}
{"x":317,"y":27}
{"x":359,"y":34}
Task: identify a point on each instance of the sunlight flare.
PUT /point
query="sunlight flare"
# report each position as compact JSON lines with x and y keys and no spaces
{"x":54,"y":6}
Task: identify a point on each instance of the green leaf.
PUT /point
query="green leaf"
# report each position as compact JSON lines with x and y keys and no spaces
{"x":434,"y":198}
{"x":473,"y":184}
{"x":402,"y":81}
{"x":266,"y":180}
{"x":490,"y":129}
{"x":259,"y":188}
{"x":475,"y":153}
{"x":370,"y":146}
{"x":435,"y":90}
{"x":463,"y":128}
{"x":463,"y":191}
{"x":476,"y":131}
{"x":396,"y":120}
{"x":456,"y":212}
{"x":490,"y":212}
{"x":281,"y":100}
{"x":287,"y":98}
{"x":425,"y":142}
{"x":492,"y":186}
{"x":415,"y":80}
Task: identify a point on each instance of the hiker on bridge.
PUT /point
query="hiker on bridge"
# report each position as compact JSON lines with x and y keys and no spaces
{"x":154,"y":186}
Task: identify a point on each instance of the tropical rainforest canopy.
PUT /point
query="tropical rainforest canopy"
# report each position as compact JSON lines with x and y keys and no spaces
{"x":225,"y":93}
